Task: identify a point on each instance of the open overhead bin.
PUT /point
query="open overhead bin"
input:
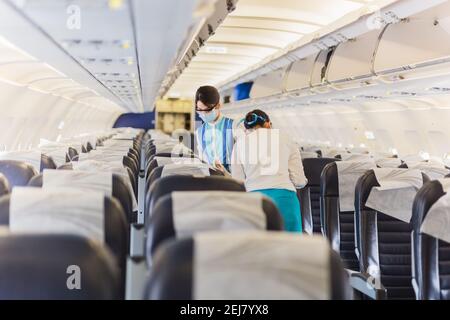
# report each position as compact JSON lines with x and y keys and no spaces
{"x":298,"y":76}
{"x":319,"y":71}
{"x":417,"y":47}
{"x":351,"y":64}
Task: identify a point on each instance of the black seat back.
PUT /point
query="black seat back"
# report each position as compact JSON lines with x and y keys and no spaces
{"x":38,"y":267}
{"x":4,"y":185}
{"x":18,"y":173}
{"x":310,"y":195}
{"x":47,"y":163}
{"x":337,"y":226}
{"x":383,"y":243}
{"x":72,"y":154}
{"x":157,"y":172}
{"x":128,"y":162}
{"x":431,"y":262}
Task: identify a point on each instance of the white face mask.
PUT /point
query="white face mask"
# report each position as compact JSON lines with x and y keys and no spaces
{"x":210,"y":116}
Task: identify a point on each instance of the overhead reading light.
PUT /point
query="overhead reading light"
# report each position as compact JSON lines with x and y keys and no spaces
{"x":115,"y":4}
{"x":216,"y":50}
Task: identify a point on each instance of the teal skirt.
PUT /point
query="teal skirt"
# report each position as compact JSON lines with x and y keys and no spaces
{"x":288,"y":205}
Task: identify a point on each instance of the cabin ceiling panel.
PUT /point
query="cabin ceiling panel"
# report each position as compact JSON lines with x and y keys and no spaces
{"x":255,"y":30}
{"x":99,"y":37}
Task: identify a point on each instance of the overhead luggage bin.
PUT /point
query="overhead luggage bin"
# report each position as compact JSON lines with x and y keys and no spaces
{"x":319,"y":71}
{"x":351,"y":64}
{"x":268,"y":84}
{"x":299,"y":74}
{"x":415,"y":48}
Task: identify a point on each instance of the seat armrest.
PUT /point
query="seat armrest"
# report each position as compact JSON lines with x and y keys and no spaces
{"x":365,"y":284}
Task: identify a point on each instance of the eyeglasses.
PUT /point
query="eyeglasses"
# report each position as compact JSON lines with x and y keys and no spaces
{"x":206,"y":110}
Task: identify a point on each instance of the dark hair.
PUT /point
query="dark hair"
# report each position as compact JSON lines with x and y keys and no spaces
{"x":255,"y":118}
{"x":208,"y":95}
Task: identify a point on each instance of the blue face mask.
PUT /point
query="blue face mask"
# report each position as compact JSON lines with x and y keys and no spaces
{"x":209,"y":116}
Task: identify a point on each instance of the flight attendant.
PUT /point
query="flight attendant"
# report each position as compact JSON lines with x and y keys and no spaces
{"x":269,"y":162}
{"x":216,"y":136}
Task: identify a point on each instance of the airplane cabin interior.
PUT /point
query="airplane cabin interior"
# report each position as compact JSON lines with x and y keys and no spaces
{"x":224,"y":150}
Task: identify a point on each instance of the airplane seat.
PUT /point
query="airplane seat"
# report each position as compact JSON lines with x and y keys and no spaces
{"x":72,"y":154}
{"x":383,"y":228}
{"x":308,"y":154}
{"x":69,"y":166}
{"x":172,"y":149}
{"x":337,"y":207}
{"x":38,"y":160}
{"x":39,"y":266}
{"x":184,"y":136}
{"x":389,"y":163}
{"x":16,"y":172}
{"x":47,"y":163}
{"x":89,"y":147}
{"x":247,"y":265}
{"x":4,"y":185}
{"x":133,"y":180}
{"x":90,"y":214}
{"x":133,"y":157}
{"x":310,"y":195}
{"x":66,"y":166}
{"x":173,"y":183}
{"x":185,"y":213}
{"x":127,"y":162}
{"x":76,"y":179}
{"x":160,"y":159}
{"x":135,"y":154}
{"x":202,"y":170}
{"x":430,"y":241}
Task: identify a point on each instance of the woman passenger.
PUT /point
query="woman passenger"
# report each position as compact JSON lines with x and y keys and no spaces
{"x":269,"y":162}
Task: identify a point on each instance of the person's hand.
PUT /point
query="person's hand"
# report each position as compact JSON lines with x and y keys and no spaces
{"x":219,"y":166}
